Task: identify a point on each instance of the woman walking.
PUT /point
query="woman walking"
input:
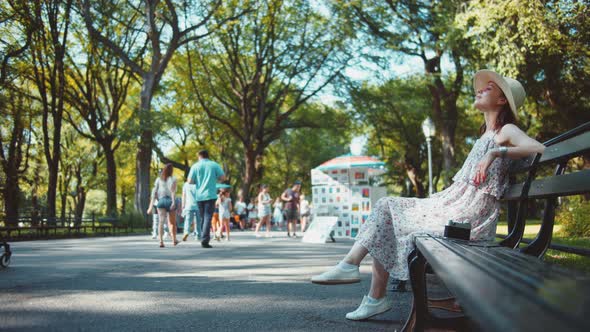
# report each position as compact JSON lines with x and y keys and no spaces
{"x":252,"y":213}
{"x":164,"y":191}
{"x":277,"y":214}
{"x":241,"y":210}
{"x":305,"y":212}
{"x":224,"y":203}
{"x":472,"y":198}
{"x":264,"y":210}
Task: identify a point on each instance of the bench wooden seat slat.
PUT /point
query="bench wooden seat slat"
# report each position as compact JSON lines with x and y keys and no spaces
{"x":521,"y":268}
{"x":541,"y":299}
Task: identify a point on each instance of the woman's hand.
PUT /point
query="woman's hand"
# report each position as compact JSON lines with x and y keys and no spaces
{"x":482,"y":168}
{"x":149,"y":210}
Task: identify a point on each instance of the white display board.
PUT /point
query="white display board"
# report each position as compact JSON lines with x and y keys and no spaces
{"x":345,"y":194}
{"x":319,"y":230}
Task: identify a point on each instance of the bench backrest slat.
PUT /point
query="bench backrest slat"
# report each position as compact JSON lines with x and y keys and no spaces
{"x":561,"y":185}
{"x":558,"y":151}
{"x":567,"y":149}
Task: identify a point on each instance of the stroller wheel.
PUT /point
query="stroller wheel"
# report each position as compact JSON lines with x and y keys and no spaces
{"x":5,"y":260}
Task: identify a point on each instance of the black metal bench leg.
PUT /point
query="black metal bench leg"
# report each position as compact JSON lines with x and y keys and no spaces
{"x":421,"y":317}
{"x":417,"y":317}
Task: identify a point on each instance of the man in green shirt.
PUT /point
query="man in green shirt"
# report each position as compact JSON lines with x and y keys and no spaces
{"x":205,"y":174}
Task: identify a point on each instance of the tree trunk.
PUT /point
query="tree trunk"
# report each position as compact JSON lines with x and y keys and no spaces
{"x":448,"y":146}
{"x":63,"y":195}
{"x":412,"y":172}
{"x":123,"y":201}
{"x":111,"y":180}
{"x":144,"y":149}
{"x":52,"y":188}
{"x":11,"y":199}
{"x":444,"y":110}
{"x":80,"y":199}
{"x":249,"y":172}
{"x":80,"y":204}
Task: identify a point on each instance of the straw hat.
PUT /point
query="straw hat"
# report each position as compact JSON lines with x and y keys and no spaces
{"x":512,"y":88}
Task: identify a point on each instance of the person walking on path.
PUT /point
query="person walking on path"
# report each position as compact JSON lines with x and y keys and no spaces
{"x":241,"y":210}
{"x":225,"y":207}
{"x":216,"y":223}
{"x":473,"y":198}
{"x":205,"y":174}
{"x":190,"y":211}
{"x":305,"y":212}
{"x":252,"y":213}
{"x":264,"y":210}
{"x":277,"y":214}
{"x":291,"y":197}
{"x":155,"y":219}
{"x":164,"y":191}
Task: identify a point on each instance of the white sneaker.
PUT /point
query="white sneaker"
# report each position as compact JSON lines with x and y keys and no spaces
{"x":336,"y":276}
{"x":367,"y":310}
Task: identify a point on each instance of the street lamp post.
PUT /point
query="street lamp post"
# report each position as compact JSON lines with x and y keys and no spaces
{"x":429,"y":131}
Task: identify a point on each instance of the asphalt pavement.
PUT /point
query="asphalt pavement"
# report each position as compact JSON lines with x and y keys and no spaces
{"x":128,"y":283}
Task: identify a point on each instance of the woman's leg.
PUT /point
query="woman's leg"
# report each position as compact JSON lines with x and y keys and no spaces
{"x":378,"y":281}
{"x":303,"y":224}
{"x":356,"y":254}
{"x":268,"y":225}
{"x":226,"y":223}
{"x":172,"y":225}
{"x":258,"y":225}
{"x":155,"y":224}
{"x":161,"y":221}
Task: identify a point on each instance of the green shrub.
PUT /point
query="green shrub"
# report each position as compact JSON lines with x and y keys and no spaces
{"x":134,"y":219}
{"x":574,"y":216}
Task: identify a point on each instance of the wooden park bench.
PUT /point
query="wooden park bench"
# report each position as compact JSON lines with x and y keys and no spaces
{"x":505,"y":286}
{"x":106,"y":225}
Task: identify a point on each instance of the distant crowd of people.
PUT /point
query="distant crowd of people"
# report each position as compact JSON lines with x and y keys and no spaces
{"x":208,"y":212}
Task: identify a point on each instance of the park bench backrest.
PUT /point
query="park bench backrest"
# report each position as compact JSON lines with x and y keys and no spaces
{"x":559,"y":151}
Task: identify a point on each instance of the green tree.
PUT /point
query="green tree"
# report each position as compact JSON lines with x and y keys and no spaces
{"x":393,"y":113}
{"x":16,"y":30}
{"x":420,"y":29}
{"x":47,"y":57}
{"x":97,"y":92}
{"x":544,"y":44}
{"x":253,"y":75}
{"x":157,"y":29}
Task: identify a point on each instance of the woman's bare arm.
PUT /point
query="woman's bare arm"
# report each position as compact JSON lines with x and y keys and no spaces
{"x":519,"y":144}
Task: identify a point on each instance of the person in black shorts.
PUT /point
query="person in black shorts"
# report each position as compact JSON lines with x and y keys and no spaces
{"x":291,"y":198}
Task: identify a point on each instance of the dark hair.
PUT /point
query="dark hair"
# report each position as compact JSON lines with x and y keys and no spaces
{"x":262,"y":186}
{"x":166,"y":172}
{"x":204,"y":154}
{"x":504,"y":117}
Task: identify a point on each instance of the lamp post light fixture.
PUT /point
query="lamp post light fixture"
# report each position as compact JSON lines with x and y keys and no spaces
{"x":429,"y":131}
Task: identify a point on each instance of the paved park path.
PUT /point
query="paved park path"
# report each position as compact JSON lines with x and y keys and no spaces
{"x":130,"y":284}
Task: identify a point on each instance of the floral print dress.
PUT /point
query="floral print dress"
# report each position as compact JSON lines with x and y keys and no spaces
{"x":389,"y":231}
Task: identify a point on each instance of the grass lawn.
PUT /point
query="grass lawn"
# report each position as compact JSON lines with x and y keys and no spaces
{"x":562,"y":258}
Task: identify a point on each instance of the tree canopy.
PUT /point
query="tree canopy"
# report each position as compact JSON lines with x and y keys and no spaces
{"x":96,"y":96}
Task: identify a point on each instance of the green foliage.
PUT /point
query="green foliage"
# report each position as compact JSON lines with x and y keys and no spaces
{"x":574,"y":216}
{"x":298,"y":151}
{"x":96,"y":203}
{"x":133,"y":219}
{"x":546,"y":45}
